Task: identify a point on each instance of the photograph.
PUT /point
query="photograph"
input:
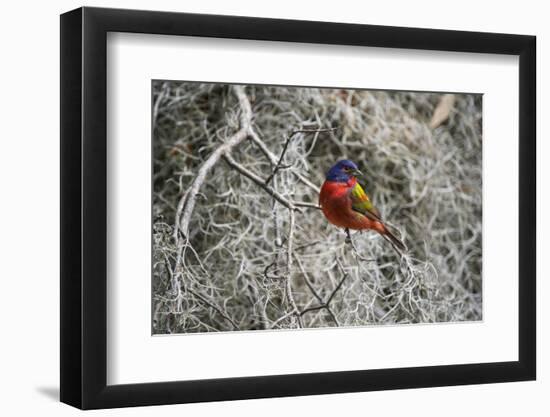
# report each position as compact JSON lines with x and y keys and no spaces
{"x":285,"y":207}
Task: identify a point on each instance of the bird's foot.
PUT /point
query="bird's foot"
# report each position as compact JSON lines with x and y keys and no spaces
{"x":348,"y":237}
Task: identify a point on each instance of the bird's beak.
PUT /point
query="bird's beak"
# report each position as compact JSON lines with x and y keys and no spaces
{"x":356,"y":173}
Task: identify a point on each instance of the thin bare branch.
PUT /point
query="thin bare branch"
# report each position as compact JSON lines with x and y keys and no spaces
{"x":290,"y":248}
{"x":355,"y":250}
{"x":273,"y":160}
{"x":258,"y":181}
{"x":190,"y":197}
{"x":307,"y":205}
{"x":214,"y":307}
{"x":309,"y":284}
{"x":279,"y":164}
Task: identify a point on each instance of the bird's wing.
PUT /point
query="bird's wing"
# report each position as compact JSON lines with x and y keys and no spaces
{"x":360,"y":202}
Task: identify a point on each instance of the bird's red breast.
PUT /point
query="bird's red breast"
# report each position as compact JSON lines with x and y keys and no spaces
{"x":336,"y":204}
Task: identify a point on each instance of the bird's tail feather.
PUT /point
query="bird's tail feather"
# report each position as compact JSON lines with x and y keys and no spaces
{"x":394,"y":240}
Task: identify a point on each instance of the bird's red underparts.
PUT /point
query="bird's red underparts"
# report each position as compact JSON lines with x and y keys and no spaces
{"x":336,"y":203}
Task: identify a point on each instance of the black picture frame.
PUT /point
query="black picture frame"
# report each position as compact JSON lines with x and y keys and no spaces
{"x":84,"y":207}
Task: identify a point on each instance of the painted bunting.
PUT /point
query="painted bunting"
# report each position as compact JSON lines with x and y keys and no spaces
{"x":345,"y":203}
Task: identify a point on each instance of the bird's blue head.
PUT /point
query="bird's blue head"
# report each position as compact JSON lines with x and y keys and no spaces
{"x":343,"y":171}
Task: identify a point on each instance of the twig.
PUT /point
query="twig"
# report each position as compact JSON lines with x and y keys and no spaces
{"x":314,"y":308}
{"x":307,"y":205}
{"x":307,"y":245}
{"x":279,"y":164}
{"x":273,"y":160}
{"x":266,"y":271}
{"x":323,"y":304}
{"x":307,"y":281}
{"x":356,"y":252}
{"x":190,"y":197}
{"x":340,"y":283}
{"x":289,"y":295}
{"x":215,"y":307}
{"x":280,"y":319}
{"x":316,"y":295}
{"x":261,"y":183}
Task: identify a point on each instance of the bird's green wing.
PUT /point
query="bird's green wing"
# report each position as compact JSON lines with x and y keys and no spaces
{"x":360,"y":202}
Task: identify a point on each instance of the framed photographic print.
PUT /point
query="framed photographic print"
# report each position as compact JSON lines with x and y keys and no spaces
{"x":256,"y":208}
